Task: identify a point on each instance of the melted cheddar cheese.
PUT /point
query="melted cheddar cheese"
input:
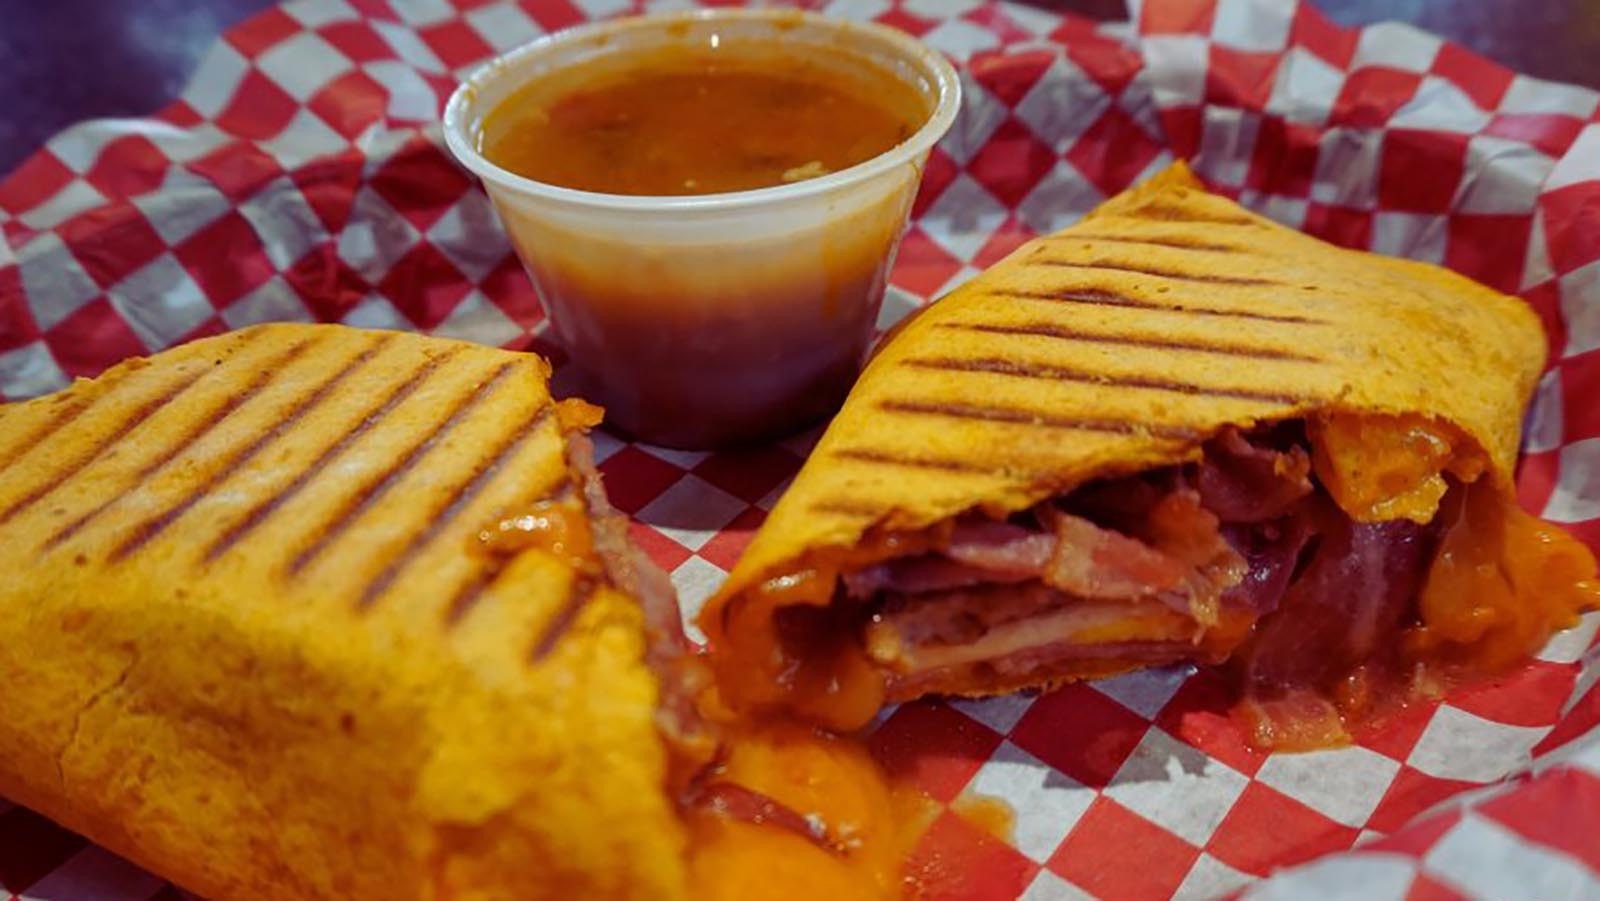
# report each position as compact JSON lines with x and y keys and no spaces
{"x":831,"y":782}
{"x":1501,"y":583}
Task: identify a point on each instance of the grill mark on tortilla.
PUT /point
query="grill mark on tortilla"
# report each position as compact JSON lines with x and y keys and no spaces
{"x":1157,"y":271}
{"x":148,"y":530}
{"x":60,"y":417}
{"x":267,"y":506}
{"x":103,"y":388}
{"x":887,"y":458}
{"x":1099,"y":297}
{"x":374,"y":490}
{"x":142,"y":413}
{"x":1038,"y":418}
{"x":470,"y":591}
{"x":1058,"y":373}
{"x":1178,"y":243}
{"x":581,"y":589}
{"x":1197,"y":345}
{"x":1161,"y":211}
{"x":52,"y":483}
{"x":846,"y":507}
{"x":200,"y":428}
{"x":488,"y":466}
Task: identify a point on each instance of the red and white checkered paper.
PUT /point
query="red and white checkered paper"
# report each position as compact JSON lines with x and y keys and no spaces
{"x":301,"y":177}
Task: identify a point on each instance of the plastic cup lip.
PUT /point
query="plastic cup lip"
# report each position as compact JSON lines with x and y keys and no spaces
{"x":460,"y":138}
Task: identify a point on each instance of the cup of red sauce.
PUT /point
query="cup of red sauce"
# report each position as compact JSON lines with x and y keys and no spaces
{"x":708,"y":204}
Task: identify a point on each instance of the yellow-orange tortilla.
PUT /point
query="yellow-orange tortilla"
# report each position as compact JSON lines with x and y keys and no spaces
{"x":1124,"y":342}
{"x":246,"y":642}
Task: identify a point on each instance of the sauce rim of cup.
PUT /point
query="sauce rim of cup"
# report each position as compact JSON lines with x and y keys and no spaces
{"x":461,"y":119}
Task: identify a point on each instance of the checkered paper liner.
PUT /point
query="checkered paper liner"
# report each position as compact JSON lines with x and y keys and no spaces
{"x":300,"y":176}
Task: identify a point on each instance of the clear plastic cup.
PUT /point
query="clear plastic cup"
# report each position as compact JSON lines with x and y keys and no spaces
{"x":719,"y":319}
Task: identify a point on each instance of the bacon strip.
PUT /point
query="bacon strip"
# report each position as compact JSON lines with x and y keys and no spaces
{"x":1194,"y":541}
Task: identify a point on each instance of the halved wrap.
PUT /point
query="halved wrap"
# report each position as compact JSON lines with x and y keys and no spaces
{"x":1175,"y":431}
{"x":308,"y":612}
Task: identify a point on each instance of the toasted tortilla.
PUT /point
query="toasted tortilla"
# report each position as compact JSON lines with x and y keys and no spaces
{"x":1118,"y":346}
{"x":1123,"y":343}
{"x":249,"y":639}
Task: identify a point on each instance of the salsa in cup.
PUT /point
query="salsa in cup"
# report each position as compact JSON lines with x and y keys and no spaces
{"x":708,"y":204}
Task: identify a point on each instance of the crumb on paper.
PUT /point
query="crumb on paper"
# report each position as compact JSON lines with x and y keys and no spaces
{"x":813,"y":169}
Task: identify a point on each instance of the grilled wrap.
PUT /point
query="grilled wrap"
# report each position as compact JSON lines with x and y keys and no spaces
{"x":311,"y":612}
{"x":1175,"y":431}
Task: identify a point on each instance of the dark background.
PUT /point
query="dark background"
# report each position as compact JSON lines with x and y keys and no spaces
{"x":66,"y":60}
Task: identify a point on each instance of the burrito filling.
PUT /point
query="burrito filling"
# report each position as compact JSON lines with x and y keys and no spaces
{"x":1336,"y":567}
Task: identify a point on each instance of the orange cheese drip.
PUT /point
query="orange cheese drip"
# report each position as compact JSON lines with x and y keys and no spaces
{"x":557,"y":527}
{"x":1501,"y":583}
{"x":875,"y":824}
{"x":783,"y":646}
{"x":828,"y":780}
{"x":578,"y":415}
{"x":992,"y":815}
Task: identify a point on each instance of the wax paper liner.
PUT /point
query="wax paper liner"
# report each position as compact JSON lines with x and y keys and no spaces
{"x":300,"y":177}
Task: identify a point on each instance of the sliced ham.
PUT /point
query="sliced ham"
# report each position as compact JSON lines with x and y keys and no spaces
{"x":1191,"y":541}
{"x":1271,"y":551}
{"x":1059,"y":660}
{"x":923,"y":573}
{"x":1244,"y":481}
{"x":935,"y":632}
{"x":980,"y":552}
{"x":1098,"y":585}
{"x":1001,"y":547}
{"x":960,"y":615}
{"x":1176,"y":554}
{"x":1344,"y":610}
{"x":1238,"y":557}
